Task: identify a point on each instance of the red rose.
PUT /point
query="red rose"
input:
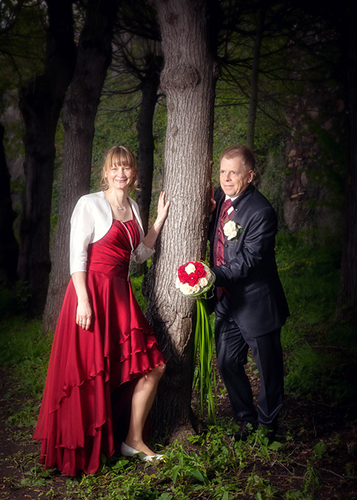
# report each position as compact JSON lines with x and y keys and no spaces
{"x":183,"y":276}
{"x":201,"y":272}
{"x":192,"y":279}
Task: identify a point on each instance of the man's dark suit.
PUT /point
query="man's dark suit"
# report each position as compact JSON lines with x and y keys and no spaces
{"x":252,"y":310}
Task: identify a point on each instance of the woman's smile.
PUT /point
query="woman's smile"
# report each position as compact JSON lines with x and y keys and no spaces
{"x":120,"y":176}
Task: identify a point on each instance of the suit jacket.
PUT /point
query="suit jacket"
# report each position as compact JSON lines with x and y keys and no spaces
{"x":249,"y":274}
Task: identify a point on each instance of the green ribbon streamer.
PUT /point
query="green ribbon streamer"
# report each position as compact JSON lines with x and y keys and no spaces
{"x":205,"y":377}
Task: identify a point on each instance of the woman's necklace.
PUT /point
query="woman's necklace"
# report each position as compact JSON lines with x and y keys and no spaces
{"x":114,"y":204}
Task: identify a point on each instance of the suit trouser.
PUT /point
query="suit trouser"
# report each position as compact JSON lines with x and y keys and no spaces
{"x":231,"y":348}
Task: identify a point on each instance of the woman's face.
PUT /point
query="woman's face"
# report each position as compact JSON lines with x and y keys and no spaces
{"x":120,"y":176}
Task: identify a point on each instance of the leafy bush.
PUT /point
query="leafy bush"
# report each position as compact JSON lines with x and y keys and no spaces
{"x":314,"y":343}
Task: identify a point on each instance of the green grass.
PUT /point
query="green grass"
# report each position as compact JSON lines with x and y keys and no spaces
{"x":24,"y":353}
{"x":208,"y":466}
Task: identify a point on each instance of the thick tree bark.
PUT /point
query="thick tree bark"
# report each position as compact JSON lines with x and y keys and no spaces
{"x":93,"y":59}
{"x":9,"y":248}
{"x":347,"y":302}
{"x":188,"y":79}
{"x":41,"y":102}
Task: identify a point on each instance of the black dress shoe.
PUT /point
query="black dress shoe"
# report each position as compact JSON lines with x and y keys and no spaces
{"x":244,"y":432}
{"x":270,"y":430}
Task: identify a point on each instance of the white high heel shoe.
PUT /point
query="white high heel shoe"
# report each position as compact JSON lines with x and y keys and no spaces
{"x":127,"y":451}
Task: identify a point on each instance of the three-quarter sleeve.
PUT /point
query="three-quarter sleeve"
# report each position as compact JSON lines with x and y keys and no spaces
{"x":141,"y":253}
{"x":82,"y":231}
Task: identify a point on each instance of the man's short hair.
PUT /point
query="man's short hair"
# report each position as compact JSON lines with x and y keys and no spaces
{"x":239,"y":151}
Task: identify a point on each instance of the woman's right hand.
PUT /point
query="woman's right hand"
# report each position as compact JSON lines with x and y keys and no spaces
{"x":84,"y":309}
{"x":84,"y":314}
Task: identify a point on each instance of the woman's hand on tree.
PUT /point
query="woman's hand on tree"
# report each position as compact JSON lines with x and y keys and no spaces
{"x":162,"y":209}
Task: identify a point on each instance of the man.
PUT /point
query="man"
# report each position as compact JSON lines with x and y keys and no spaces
{"x":249,"y":300}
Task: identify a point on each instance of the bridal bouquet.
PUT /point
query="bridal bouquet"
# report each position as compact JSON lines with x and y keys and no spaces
{"x":193,"y":280}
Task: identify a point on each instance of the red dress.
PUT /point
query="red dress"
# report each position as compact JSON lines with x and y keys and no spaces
{"x":75,"y":423}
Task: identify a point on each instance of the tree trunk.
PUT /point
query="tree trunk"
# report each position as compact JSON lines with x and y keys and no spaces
{"x":254,"y":79}
{"x":188,"y":79}
{"x":9,"y":248}
{"x":347,"y":302}
{"x":41,"y":101}
{"x":93,"y":59}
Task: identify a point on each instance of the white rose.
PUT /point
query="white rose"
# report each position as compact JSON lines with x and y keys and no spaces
{"x":186,"y":289}
{"x":191,"y":268}
{"x":202,"y":282}
{"x":230,"y":229}
{"x":178,"y":282}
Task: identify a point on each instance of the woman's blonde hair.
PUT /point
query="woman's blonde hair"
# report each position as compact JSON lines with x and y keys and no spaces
{"x":121,"y":156}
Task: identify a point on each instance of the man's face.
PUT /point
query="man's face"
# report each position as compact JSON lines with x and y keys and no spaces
{"x":234,"y":177}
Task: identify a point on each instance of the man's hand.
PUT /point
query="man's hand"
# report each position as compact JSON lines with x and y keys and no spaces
{"x":212,"y":201}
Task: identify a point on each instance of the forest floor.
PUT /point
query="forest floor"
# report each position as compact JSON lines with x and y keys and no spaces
{"x":311,"y":433}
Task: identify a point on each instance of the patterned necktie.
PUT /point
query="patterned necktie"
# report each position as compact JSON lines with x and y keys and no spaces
{"x":219,"y":259}
{"x":220,"y":234}
{"x":224,"y":210}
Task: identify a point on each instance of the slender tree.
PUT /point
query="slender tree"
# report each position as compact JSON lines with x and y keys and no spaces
{"x":254,"y":77}
{"x":347,"y":302}
{"x":137,"y":64}
{"x":150,"y":86}
{"x":8,"y":247}
{"x":41,"y":102}
{"x":188,"y":80}
{"x":93,"y":60}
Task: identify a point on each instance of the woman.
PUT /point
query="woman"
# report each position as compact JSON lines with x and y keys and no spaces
{"x":103,"y":347}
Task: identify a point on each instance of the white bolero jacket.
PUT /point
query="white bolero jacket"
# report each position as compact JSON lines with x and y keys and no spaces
{"x":91,"y":220}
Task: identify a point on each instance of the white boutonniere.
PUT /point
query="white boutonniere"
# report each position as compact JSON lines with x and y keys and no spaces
{"x":232,"y":230}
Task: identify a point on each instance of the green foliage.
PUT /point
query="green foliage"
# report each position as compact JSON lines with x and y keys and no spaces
{"x":136,"y":286}
{"x":315,"y":344}
{"x":115,"y":124}
{"x":25,"y":351}
{"x":273,"y":177}
{"x":22,"y":51}
{"x":22,"y":44}
{"x":230,"y":127}
{"x":14,"y":300}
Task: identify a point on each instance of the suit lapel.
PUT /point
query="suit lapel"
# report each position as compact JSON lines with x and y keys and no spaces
{"x":239,"y":203}
{"x":218,"y":209}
